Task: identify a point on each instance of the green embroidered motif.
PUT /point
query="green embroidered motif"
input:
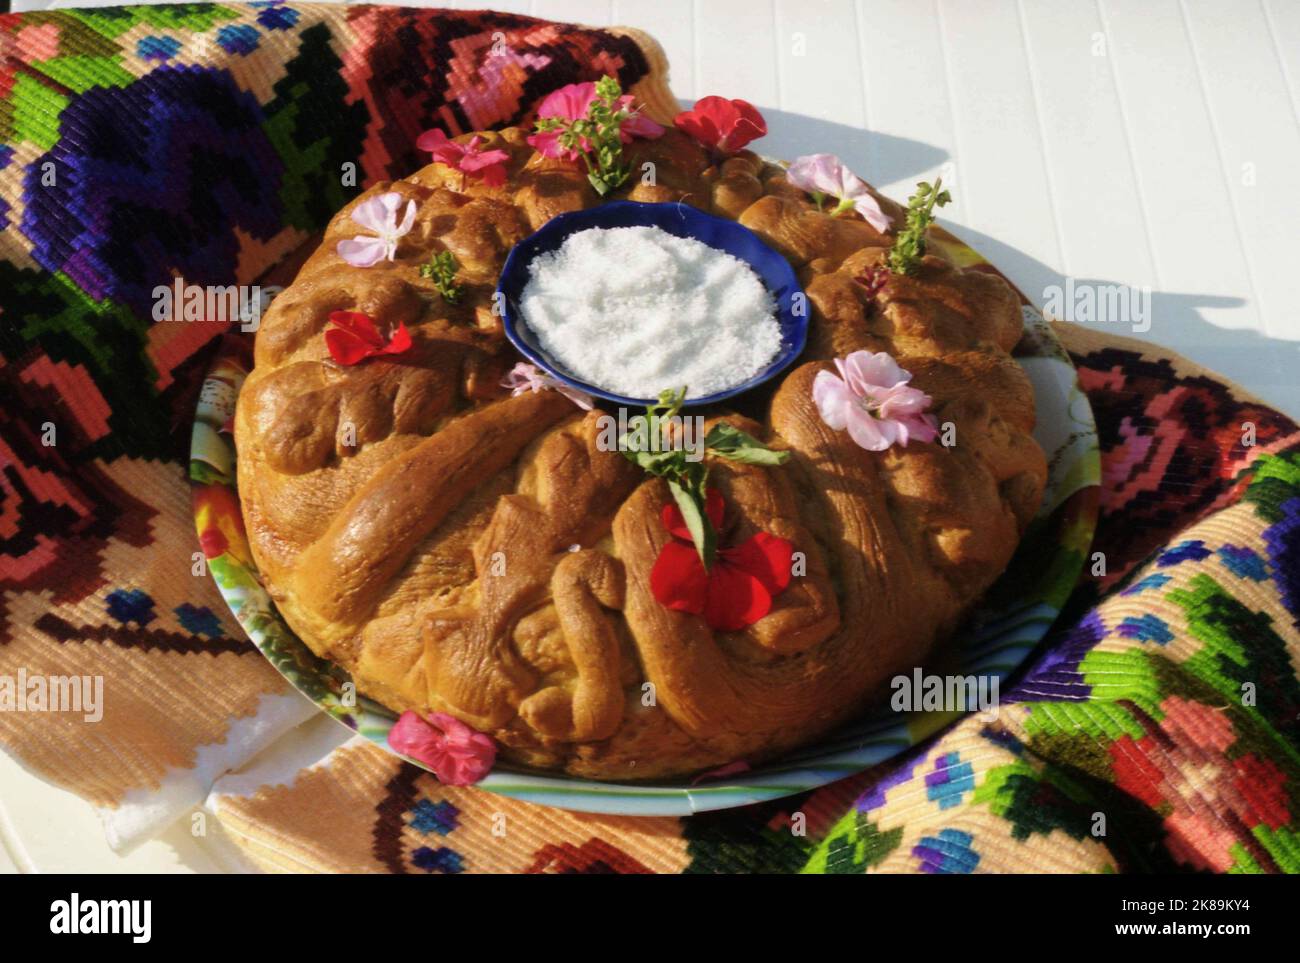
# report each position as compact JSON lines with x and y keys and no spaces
{"x":1283,"y":844}
{"x":105,"y":337}
{"x":314,"y":132}
{"x":756,"y":839}
{"x":1101,"y":721}
{"x":1027,"y":799}
{"x":1242,"y":862}
{"x":112,"y":22}
{"x":76,"y":37}
{"x":80,"y":73}
{"x":1241,"y":649}
{"x":35,"y":113}
{"x":1277,"y":480}
{"x":854,"y":845}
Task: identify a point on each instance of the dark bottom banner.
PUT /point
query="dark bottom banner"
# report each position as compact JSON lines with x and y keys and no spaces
{"x":133,"y":913}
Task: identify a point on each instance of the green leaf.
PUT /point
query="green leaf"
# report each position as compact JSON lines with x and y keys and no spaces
{"x":691,"y":503}
{"x":608,"y":88}
{"x":669,"y":403}
{"x":731,"y":443}
{"x":658,"y":463}
{"x":441,"y":270}
{"x":688,"y":480}
{"x":909,"y":245}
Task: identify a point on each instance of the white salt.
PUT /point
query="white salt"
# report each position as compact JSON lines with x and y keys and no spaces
{"x":636,"y":310}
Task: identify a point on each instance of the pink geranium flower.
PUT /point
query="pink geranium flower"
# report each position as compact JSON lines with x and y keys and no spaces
{"x":824,"y":175}
{"x":486,"y":165}
{"x":637,"y":124}
{"x":570,"y":103}
{"x":871,"y":399}
{"x":547,"y":143}
{"x":457,"y":754}
{"x":528,"y":377}
{"x":378,"y":214}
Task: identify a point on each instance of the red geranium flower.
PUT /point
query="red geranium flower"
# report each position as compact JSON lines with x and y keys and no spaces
{"x":723,"y":125}
{"x":354,"y":338}
{"x":469,"y":159}
{"x":738,"y":590}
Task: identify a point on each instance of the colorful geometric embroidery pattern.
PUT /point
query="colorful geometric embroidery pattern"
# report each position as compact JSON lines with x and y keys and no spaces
{"x":137,"y":149}
{"x":1158,"y":728}
{"x":1165,"y":723}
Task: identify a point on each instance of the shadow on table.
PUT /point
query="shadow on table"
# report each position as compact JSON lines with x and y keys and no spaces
{"x":883,"y":158}
{"x":1262,"y":364}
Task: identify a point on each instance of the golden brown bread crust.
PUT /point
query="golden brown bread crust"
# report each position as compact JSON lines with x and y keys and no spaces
{"x":463,"y":551}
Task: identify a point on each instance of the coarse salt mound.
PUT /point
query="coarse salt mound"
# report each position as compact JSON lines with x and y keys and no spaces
{"x":636,"y":310}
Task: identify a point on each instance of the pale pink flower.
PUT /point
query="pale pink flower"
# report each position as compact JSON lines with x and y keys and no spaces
{"x":871,"y":399}
{"x":457,"y":754}
{"x":487,"y":165}
{"x":826,"y":175}
{"x":378,"y":214}
{"x":528,"y":377}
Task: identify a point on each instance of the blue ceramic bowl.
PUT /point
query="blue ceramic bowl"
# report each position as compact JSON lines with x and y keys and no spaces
{"x":679,"y":219}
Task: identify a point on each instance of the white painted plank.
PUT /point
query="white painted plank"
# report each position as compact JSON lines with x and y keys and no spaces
{"x":672,"y":23}
{"x":502,"y":6}
{"x":1244,"y":82}
{"x":524,"y":7}
{"x":817,"y":59}
{"x":1283,"y":18}
{"x":907,"y":107}
{"x":1085,"y":145}
{"x":819,"y":89}
{"x":1197,"y":251}
{"x":735,"y":51}
{"x":1000,"y":170}
{"x":1207,"y":306}
{"x":589,"y":13}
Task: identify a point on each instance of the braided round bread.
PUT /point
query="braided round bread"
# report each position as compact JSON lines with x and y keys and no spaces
{"x":458,"y":549}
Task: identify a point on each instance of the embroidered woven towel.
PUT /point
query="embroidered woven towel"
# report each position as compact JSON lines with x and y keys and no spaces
{"x":1157,"y":729}
{"x":202,"y":141}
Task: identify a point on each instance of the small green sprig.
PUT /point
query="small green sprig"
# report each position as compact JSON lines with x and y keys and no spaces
{"x":441,"y":270}
{"x":597,"y":138}
{"x":909,"y":245}
{"x":688,"y":479}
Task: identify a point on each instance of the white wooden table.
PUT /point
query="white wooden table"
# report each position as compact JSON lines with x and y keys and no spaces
{"x":1149,"y":143}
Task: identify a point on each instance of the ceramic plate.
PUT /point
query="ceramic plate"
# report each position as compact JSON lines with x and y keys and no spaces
{"x":1004,"y":630}
{"x":681,"y":220}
